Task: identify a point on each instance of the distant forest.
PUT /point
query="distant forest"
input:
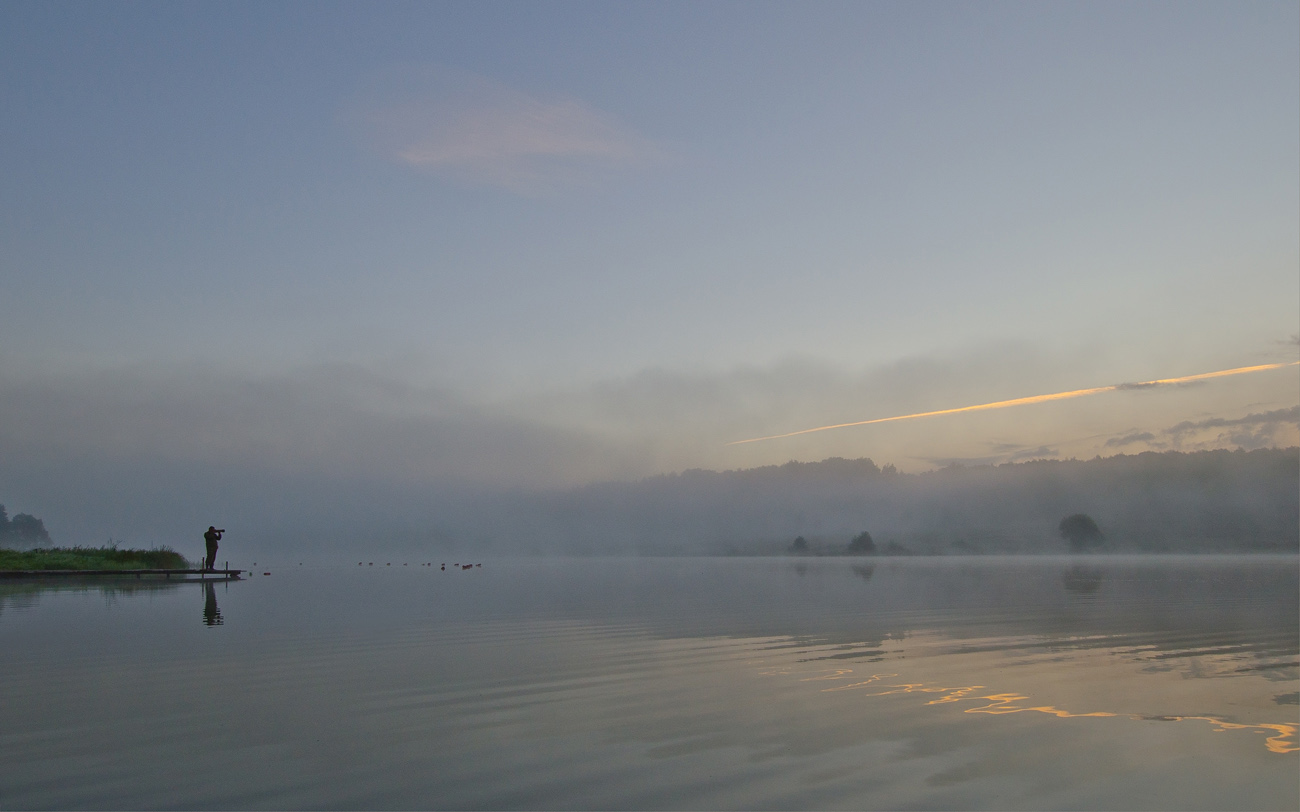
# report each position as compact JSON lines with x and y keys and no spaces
{"x":23,"y":530}
{"x":1200,"y":502}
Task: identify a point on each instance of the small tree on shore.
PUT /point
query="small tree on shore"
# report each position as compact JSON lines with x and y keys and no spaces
{"x":862,"y":544}
{"x":23,"y":528}
{"x":1081,"y":532}
{"x":27,"y":528}
{"x":800,"y":546}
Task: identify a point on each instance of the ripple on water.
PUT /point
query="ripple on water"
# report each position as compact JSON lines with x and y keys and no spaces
{"x":665,"y":685}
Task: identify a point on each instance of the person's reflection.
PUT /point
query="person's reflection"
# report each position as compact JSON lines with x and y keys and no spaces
{"x":1082,"y":580}
{"x":211,"y":614}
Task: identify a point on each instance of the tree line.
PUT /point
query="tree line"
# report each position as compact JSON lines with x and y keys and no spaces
{"x":1079,"y":530}
{"x":22,"y":529}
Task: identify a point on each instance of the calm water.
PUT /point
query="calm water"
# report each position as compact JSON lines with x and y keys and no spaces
{"x":1046,"y":683}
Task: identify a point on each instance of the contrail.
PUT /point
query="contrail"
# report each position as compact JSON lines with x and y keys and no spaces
{"x":1002,"y":404}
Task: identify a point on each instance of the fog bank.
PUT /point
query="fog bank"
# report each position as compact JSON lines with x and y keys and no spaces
{"x":1207,"y":501}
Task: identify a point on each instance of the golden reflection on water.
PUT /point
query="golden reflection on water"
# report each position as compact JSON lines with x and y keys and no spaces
{"x":1283,"y":740}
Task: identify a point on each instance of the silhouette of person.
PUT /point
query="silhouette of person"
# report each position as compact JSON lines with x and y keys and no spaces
{"x":211,"y":538}
{"x":211,"y":614}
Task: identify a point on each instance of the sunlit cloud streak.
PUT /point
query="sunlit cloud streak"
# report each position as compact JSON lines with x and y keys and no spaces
{"x":1025,"y":401}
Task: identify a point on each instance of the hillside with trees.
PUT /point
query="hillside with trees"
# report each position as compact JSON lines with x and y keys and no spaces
{"x":1200,"y":502}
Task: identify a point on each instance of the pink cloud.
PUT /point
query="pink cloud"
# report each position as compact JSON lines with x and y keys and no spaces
{"x":482,"y":133}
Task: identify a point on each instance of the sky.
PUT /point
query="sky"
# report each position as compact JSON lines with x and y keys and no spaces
{"x":427,"y":247}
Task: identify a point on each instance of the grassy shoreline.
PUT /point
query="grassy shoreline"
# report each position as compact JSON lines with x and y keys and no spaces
{"x":91,"y":558}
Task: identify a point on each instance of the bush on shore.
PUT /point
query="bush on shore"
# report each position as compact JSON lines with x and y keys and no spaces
{"x":92,"y":558}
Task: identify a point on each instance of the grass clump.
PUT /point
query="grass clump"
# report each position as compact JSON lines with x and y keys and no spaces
{"x":92,"y":558}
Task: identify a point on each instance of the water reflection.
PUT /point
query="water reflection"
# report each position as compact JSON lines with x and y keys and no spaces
{"x":1283,"y":738}
{"x":24,"y":594}
{"x":1109,"y":683}
{"x":211,"y":613}
{"x":864,"y":571}
{"x":1082,"y":580}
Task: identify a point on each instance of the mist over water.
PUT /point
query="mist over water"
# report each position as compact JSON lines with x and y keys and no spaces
{"x":962,"y":682}
{"x":751,"y":368}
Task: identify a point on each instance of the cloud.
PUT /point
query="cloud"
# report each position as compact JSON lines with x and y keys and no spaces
{"x":146,"y":454}
{"x":1128,"y":387}
{"x":130,"y":449}
{"x":479,"y":132}
{"x":1042,"y":452}
{"x":1023,"y":401}
{"x":1290,"y":415}
{"x":1003,"y":453}
{"x":1256,"y":430}
{"x":1005,"y":448}
{"x":1129,"y":439}
{"x":145,"y":451}
{"x":1123,"y":387}
{"x":338,"y":419}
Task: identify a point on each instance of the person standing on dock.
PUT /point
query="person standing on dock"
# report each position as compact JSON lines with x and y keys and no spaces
{"x":210,"y":539}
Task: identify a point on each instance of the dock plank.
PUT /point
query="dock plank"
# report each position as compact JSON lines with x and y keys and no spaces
{"x":166,"y":574}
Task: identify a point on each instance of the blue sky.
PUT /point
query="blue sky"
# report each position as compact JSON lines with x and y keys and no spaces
{"x":539,"y":244}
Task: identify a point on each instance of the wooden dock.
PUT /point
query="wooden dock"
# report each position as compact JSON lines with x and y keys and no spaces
{"x":170,"y":575}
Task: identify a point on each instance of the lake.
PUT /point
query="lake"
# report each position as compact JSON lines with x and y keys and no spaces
{"x":1103,"y":682}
